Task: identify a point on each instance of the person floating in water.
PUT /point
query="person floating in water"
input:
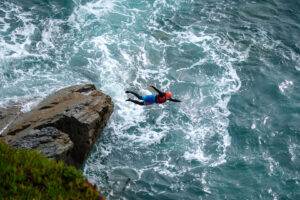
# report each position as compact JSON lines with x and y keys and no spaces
{"x":161,"y":97}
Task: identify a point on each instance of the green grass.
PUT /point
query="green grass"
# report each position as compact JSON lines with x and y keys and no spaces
{"x":26,"y":174}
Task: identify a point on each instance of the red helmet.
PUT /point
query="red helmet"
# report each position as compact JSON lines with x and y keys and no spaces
{"x":168,"y":94}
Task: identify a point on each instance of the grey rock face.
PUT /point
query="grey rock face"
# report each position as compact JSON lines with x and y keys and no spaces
{"x":8,"y":115}
{"x":50,"y":142}
{"x":80,"y":111}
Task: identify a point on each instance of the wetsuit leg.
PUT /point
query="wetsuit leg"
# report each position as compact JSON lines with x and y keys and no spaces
{"x":136,"y":102}
{"x":135,"y":94}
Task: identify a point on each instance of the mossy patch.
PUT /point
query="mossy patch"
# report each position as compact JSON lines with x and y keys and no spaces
{"x":26,"y":174}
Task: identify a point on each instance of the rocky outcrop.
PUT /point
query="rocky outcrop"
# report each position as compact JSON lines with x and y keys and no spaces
{"x":50,"y":141}
{"x":65,"y":125}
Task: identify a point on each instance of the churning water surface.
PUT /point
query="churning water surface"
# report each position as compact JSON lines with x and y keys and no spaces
{"x":236,"y":65}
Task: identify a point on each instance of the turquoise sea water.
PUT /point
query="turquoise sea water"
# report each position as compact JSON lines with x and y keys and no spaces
{"x":236,"y":65}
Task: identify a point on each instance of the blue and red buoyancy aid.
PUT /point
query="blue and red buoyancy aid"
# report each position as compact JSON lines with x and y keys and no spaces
{"x":161,"y":98}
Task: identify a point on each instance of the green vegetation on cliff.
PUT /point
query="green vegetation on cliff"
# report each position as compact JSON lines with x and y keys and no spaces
{"x":26,"y":174}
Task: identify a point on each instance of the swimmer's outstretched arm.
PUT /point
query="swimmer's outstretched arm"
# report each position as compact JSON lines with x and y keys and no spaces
{"x":157,"y":90}
{"x":175,"y":100}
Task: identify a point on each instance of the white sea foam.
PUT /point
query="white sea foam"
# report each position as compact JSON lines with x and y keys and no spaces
{"x":3,"y":25}
{"x":14,"y":48}
{"x":26,"y":107}
{"x":99,"y":8}
{"x":96,"y":8}
{"x":229,"y":83}
{"x":273,"y":165}
{"x":292,"y":148}
{"x":284,"y":85}
{"x":253,"y":126}
{"x":265,"y":120}
{"x":26,"y":55}
{"x":203,"y":181}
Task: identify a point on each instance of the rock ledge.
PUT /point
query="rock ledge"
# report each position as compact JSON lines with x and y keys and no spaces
{"x":63,"y":126}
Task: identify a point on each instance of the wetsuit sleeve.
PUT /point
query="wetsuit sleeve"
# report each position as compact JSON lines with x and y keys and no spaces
{"x":175,"y":100}
{"x":157,"y":90}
